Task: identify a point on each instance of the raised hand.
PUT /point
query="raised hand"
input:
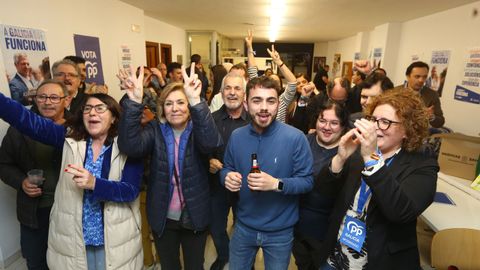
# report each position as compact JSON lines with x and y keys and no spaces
{"x":364,"y":66}
{"x":192,"y":85}
{"x":307,"y":89}
{"x":275,"y":56}
{"x":132,"y":84}
{"x":249,"y":40}
{"x":81,"y":176}
{"x":367,"y":136}
{"x":158,"y":73}
{"x":346,"y":147}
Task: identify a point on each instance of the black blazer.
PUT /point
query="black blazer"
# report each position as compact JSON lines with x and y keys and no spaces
{"x":400,"y":193}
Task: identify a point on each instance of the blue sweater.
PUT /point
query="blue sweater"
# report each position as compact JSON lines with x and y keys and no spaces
{"x":282,"y":152}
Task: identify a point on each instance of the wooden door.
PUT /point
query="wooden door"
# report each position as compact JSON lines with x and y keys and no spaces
{"x":166,"y":53}
{"x":152,"y":54}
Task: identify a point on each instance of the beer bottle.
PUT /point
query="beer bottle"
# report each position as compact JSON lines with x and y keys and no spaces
{"x":255,"y":168}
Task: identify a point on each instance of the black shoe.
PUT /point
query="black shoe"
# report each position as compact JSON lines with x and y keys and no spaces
{"x":218,"y":265}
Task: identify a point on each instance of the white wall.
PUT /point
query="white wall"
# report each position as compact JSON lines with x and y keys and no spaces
{"x":320,"y":49}
{"x":9,"y":227}
{"x":346,"y":47}
{"x":161,"y":32}
{"x":454,"y":30}
{"x":110,"y":20}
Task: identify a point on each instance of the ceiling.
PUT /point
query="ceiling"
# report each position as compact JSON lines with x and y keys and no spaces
{"x":303,"y":20}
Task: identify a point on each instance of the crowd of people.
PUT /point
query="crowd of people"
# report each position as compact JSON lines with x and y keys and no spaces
{"x":333,"y":172}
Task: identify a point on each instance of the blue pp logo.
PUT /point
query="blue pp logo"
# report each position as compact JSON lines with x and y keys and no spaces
{"x":354,"y":228}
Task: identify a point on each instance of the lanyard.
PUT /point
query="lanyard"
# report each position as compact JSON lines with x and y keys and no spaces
{"x":365,"y":192}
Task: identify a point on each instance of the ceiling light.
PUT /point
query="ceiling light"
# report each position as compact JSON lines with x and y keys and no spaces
{"x":277,"y":8}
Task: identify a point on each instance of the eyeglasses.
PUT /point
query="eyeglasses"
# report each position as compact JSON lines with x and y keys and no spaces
{"x":53,"y":98}
{"x":382,"y":123}
{"x":63,"y":74}
{"x":333,"y":124}
{"x":99,"y":108}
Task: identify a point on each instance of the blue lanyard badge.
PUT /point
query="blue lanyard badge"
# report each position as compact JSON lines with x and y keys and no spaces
{"x":354,"y":233}
{"x":354,"y":230}
{"x":365,"y":192}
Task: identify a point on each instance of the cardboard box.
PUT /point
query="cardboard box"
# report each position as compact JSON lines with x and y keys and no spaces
{"x":459,"y":155}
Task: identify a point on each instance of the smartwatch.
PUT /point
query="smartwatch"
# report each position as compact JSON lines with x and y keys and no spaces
{"x":280,"y":185}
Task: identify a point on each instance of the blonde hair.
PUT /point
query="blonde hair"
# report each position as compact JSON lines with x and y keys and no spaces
{"x":172,"y":87}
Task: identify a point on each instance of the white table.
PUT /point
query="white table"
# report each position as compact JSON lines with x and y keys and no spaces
{"x":464,"y":214}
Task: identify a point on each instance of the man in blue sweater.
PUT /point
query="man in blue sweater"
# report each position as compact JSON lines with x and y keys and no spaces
{"x":268,"y":201}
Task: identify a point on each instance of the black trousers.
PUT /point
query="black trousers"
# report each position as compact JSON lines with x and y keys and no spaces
{"x":306,"y":252}
{"x":34,"y":242}
{"x":169,"y":243}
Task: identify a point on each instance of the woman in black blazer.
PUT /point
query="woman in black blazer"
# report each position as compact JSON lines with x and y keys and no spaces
{"x":387,"y":185}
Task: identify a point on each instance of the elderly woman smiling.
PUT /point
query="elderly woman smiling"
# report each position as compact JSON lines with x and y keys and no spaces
{"x":95,"y":219}
{"x":178,"y":186}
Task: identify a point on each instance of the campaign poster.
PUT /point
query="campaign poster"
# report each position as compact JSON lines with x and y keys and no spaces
{"x":89,"y":49}
{"x":469,"y":88}
{"x":356,"y":56}
{"x":438,"y":70}
{"x":377,"y":57}
{"x":25,"y":56}
{"x":336,"y":64}
{"x":125,"y":57}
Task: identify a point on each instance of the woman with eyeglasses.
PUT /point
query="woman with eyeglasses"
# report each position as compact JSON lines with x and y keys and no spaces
{"x":316,"y":206}
{"x":388,"y":184}
{"x":178,"y":195}
{"x":95,"y":217}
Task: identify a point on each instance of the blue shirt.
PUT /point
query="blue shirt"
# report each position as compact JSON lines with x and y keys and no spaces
{"x":282,"y":152}
{"x":92,"y":217}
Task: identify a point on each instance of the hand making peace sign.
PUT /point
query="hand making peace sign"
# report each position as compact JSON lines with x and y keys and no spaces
{"x":132,"y":83}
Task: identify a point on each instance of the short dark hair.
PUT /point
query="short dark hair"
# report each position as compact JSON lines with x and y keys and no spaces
{"x":340,"y":110}
{"x":195,"y":58}
{"x":76,"y":59}
{"x":381,"y":70}
{"x":57,"y":82}
{"x":417,"y":64}
{"x":76,"y":127}
{"x":172,"y":66}
{"x":263,"y":82}
{"x":300,"y":74}
{"x":374,"y":78}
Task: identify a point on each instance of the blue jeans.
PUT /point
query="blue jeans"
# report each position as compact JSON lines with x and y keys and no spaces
{"x":95,"y":257}
{"x":245,"y":243}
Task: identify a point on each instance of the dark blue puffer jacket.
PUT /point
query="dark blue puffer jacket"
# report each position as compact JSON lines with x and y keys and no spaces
{"x":200,"y":137}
